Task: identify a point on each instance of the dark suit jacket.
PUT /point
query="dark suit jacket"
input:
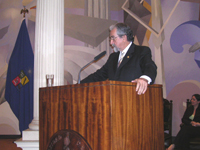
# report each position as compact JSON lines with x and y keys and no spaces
{"x":136,"y":62}
{"x":188,"y":112}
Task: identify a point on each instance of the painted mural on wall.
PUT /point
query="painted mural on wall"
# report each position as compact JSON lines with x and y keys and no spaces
{"x":180,"y":49}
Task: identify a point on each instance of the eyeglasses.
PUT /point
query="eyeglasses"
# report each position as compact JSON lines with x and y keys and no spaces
{"x":113,"y":38}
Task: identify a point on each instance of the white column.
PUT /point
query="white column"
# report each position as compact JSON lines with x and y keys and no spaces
{"x":49,"y":48}
{"x":48,"y":59}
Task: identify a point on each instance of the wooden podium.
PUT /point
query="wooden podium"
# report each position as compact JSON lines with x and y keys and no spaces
{"x":109,"y":115}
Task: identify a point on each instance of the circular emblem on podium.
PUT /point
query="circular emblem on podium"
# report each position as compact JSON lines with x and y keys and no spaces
{"x":67,"y":140}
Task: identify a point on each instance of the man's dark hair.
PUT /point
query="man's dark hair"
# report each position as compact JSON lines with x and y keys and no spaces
{"x":123,"y":29}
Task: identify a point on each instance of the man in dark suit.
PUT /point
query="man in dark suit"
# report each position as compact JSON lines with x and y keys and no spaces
{"x":136,"y":65}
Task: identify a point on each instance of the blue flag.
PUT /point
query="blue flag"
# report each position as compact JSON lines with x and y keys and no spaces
{"x":19,"y":82}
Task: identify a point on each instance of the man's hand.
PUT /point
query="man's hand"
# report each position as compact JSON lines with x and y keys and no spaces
{"x":141,"y":86}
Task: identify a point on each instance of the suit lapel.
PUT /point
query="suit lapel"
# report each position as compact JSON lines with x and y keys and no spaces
{"x":128,"y":55}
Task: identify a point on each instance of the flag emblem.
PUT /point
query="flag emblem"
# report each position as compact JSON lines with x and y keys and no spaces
{"x":16,"y":81}
{"x":20,"y":80}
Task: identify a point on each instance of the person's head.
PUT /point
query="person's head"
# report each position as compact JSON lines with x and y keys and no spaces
{"x":195,"y":99}
{"x":120,"y":36}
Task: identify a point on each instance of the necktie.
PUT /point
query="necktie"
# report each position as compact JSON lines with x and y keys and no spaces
{"x":121,"y":58}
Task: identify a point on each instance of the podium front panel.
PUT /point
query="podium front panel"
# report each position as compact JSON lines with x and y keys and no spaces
{"x":109,"y":115}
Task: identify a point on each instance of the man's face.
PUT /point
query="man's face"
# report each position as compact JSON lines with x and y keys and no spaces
{"x":115,"y":40}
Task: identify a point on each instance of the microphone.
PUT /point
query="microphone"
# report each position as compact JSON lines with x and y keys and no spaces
{"x":95,"y":59}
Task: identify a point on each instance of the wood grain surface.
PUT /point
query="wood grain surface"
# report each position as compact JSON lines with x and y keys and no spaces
{"x":109,"y":115}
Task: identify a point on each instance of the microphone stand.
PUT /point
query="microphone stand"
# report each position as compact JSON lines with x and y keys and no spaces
{"x":79,"y":74}
{"x":95,"y":59}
